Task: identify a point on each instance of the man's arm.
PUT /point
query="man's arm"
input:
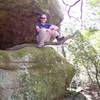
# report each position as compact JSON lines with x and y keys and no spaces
{"x":37,"y":30}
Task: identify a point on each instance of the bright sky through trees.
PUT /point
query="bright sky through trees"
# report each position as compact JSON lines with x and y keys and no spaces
{"x":83,"y":14}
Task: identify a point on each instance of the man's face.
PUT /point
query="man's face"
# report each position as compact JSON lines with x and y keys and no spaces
{"x":43,"y":18}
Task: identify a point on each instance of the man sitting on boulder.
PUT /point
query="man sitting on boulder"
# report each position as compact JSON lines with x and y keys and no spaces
{"x":46,"y":31}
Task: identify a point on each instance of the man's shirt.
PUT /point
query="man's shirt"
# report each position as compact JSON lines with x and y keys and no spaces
{"x":46,"y":25}
{"x":40,"y":25}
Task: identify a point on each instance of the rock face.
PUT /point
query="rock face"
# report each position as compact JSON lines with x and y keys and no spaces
{"x":17,"y":18}
{"x":33,"y":74}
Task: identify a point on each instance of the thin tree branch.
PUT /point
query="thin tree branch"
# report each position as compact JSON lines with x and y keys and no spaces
{"x":81,"y":9}
{"x":63,"y":51}
{"x":64,"y":3}
{"x":81,"y":16}
{"x":71,"y":7}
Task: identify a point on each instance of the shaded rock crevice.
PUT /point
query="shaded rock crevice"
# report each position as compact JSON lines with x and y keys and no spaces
{"x":17,"y":19}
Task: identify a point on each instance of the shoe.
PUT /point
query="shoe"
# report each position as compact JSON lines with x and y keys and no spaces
{"x":60,"y":39}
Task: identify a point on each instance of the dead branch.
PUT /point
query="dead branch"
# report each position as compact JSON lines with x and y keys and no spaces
{"x":64,"y":3}
{"x":81,"y":9}
{"x":71,"y":7}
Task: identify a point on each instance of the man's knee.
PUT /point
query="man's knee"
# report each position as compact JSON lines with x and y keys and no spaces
{"x":54,"y":34}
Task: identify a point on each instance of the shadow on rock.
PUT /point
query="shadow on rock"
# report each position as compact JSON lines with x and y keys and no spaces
{"x":72,"y":95}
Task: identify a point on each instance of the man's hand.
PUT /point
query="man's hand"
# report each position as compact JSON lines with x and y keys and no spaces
{"x":38,"y":29}
{"x":54,"y":27}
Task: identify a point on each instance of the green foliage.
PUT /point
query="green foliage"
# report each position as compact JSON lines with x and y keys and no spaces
{"x":94,"y":2}
{"x":84,"y":54}
{"x":92,"y":35}
{"x":81,"y":46}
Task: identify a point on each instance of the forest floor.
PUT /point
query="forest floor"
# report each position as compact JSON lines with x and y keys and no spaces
{"x":83,"y":93}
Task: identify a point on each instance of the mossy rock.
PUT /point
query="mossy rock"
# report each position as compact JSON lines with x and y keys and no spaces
{"x":34,"y":74}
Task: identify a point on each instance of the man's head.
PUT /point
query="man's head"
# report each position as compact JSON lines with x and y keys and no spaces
{"x":43,"y":18}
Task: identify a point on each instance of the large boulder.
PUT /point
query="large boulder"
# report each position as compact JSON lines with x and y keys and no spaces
{"x":17,"y":18}
{"x":33,"y":74}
